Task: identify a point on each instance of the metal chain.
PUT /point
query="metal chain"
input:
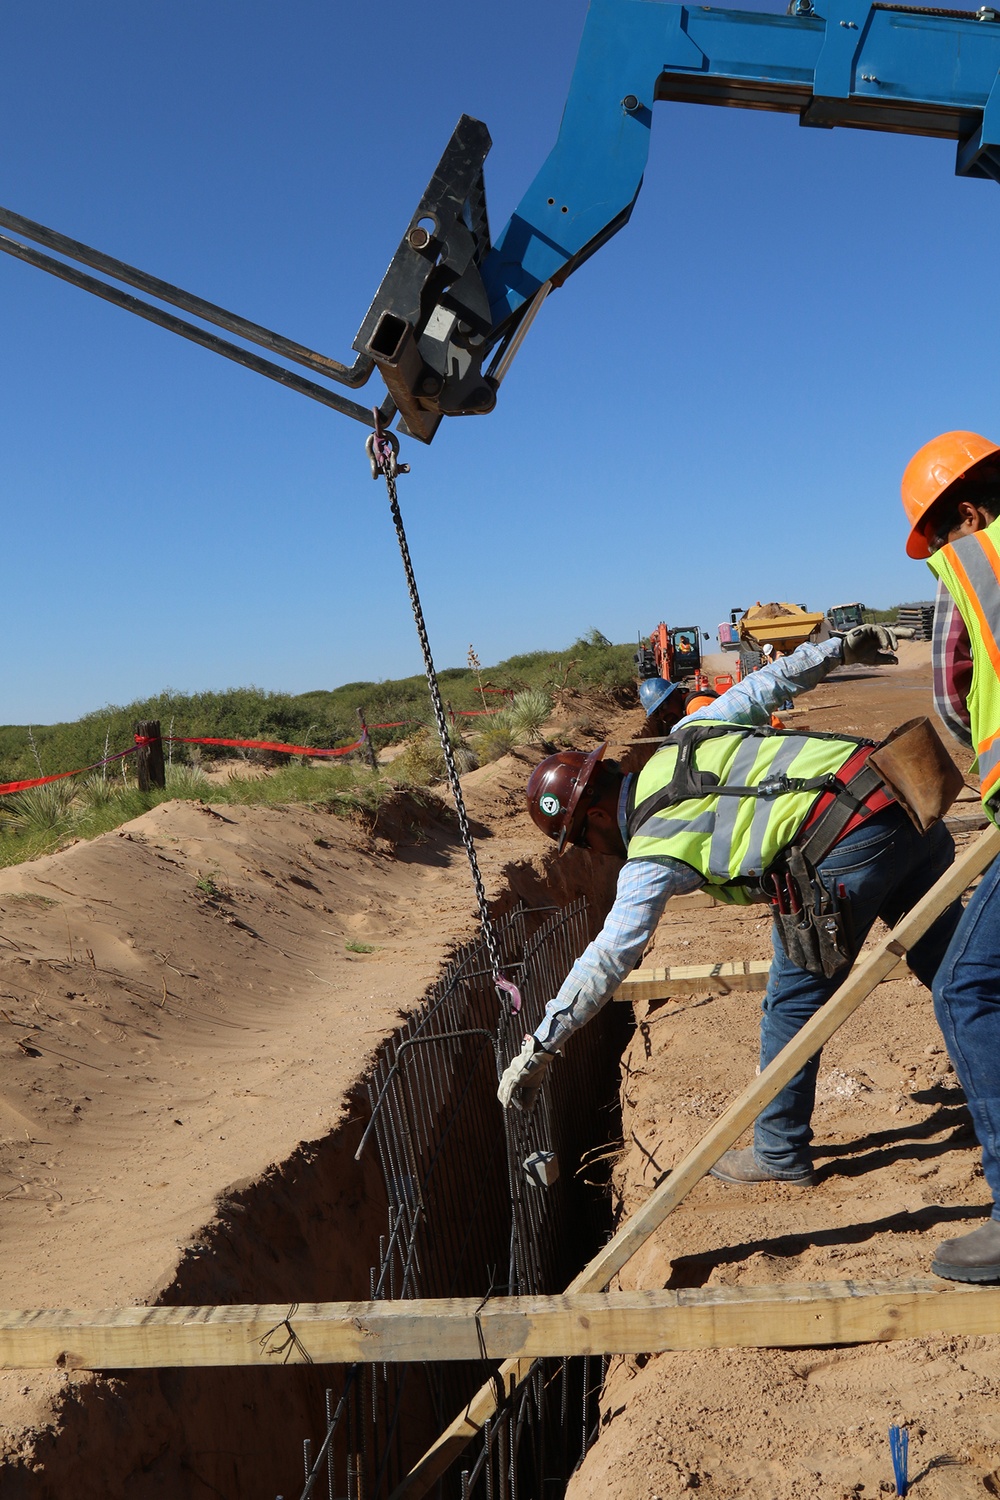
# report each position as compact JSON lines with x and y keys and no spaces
{"x":383,"y":459}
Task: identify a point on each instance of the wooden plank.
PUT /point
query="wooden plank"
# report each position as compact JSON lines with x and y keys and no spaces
{"x":738,"y":975}
{"x":811,"y":1314}
{"x":726,"y":1131}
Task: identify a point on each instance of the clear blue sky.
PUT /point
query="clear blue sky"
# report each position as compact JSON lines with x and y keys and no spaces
{"x":716,"y":409}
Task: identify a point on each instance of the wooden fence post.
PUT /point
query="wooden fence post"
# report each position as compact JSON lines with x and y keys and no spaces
{"x":366,"y":740}
{"x":149,"y":767}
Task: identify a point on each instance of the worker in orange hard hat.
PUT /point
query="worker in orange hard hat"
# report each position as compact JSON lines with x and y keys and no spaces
{"x":951,"y":496}
{"x":952,"y":471}
{"x":729,"y":804}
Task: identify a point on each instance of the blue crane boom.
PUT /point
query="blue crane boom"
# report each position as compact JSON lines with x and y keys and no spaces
{"x":454,"y":306}
{"x":899,"y":68}
{"x":873,"y":67}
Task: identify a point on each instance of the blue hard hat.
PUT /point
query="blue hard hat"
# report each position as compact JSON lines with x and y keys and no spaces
{"x":654,"y":692}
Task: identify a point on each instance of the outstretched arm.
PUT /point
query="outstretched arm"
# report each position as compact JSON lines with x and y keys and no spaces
{"x":644,"y":887}
{"x":753,"y":700}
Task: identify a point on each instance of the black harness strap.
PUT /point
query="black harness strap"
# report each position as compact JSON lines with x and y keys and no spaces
{"x":688,"y":783}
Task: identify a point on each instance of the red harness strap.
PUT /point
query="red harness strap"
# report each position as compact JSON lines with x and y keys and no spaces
{"x":876,"y":801}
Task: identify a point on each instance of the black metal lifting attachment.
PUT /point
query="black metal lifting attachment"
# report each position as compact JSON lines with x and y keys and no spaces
{"x":426,"y":330}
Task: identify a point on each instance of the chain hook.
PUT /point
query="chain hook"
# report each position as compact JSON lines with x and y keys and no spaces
{"x":508,"y":987}
{"x":382,"y":447}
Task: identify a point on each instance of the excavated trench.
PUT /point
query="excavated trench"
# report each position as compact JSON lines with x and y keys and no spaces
{"x":437,"y":1205}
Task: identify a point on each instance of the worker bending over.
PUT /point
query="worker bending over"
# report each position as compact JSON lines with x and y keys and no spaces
{"x":801,"y":820}
{"x":951,"y":495}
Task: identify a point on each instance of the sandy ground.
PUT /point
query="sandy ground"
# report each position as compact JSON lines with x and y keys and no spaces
{"x":180,"y":1014}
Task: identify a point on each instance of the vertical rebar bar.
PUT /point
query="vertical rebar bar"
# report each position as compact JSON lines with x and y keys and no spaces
{"x":328,"y":1402}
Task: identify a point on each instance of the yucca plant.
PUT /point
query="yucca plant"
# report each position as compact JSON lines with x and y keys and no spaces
{"x":41,"y":809}
{"x":526,"y":716}
{"x":94,"y":793}
{"x":422,"y":762}
{"x":186,"y":781}
{"x":495,"y":741}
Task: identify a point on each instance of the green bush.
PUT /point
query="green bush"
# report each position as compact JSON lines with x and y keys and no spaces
{"x":422,"y":762}
{"x":495,"y":741}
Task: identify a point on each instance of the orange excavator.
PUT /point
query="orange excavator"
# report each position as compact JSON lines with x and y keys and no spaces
{"x":671,"y":653}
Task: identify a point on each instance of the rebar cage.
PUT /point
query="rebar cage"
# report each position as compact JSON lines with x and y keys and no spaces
{"x":468,"y":1219}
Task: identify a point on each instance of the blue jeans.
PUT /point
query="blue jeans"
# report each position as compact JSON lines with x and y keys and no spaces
{"x":885,"y":866}
{"x":967,"y":1005}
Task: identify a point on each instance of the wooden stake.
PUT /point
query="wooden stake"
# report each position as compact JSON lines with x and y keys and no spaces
{"x":810,"y":1314}
{"x":367,"y":745}
{"x":726,"y":1131}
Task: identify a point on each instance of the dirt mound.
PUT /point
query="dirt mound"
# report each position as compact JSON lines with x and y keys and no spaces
{"x":186,"y":1006}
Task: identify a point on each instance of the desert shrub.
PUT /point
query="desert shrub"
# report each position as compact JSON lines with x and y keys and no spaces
{"x":526,"y":716}
{"x":95,"y":792}
{"x":187,"y":781}
{"x":40,"y":809}
{"x":422,"y":762}
{"x":493,"y":742}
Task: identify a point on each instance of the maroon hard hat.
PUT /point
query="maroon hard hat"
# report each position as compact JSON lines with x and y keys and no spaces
{"x":556,"y":790}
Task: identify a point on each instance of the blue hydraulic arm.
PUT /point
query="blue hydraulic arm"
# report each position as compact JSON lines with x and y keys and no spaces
{"x":875,"y":67}
{"x":880,"y":66}
{"x":453,"y":307}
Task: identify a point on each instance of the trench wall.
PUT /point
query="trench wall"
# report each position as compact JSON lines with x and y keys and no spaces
{"x":429,"y":1210}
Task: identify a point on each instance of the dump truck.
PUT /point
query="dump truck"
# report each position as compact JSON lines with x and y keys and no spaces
{"x":767,"y":631}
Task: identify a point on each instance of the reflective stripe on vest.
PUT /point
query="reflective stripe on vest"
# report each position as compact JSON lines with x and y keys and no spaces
{"x":731,"y":839}
{"x":970,"y":570}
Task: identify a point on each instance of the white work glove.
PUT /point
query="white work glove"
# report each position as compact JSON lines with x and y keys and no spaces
{"x":522,"y":1082}
{"x":870,"y":646}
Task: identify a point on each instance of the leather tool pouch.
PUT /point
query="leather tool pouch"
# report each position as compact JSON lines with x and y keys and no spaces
{"x":819,"y":937}
{"x":919,"y":772}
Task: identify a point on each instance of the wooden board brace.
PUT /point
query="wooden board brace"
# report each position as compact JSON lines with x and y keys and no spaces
{"x":738,"y":975}
{"x":633,"y":1234}
{"x":810,"y":1314}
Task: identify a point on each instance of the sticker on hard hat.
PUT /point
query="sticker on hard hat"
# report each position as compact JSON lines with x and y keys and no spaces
{"x":550,"y":805}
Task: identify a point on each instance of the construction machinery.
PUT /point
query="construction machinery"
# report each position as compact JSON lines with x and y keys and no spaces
{"x":456,"y":302}
{"x":673,"y":653}
{"x":846,"y":616}
{"x":767,"y":631}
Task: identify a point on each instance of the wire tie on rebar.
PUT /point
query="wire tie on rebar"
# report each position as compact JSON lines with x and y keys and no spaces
{"x":291,"y":1343}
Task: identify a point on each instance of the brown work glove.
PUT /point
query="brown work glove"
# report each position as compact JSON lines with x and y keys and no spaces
{"x":870,"y":646}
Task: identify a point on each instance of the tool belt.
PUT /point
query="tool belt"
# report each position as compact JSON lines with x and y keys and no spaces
{"x":919,"y":772}
{"x":813,"y":920}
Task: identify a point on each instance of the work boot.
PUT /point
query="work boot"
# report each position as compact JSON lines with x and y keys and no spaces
{"x":970,"y":1257}
{"x":743,"y":1166}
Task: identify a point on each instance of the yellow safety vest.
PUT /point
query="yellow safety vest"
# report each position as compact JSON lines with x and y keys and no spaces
{"x":970,"y":570}
{"x":730,"y":839}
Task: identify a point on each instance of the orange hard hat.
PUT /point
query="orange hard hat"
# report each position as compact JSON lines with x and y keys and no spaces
{"x":931,"y":471}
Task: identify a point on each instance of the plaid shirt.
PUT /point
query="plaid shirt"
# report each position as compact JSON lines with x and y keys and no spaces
{"x":951,"y":663}
{"x":646,"y":885}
